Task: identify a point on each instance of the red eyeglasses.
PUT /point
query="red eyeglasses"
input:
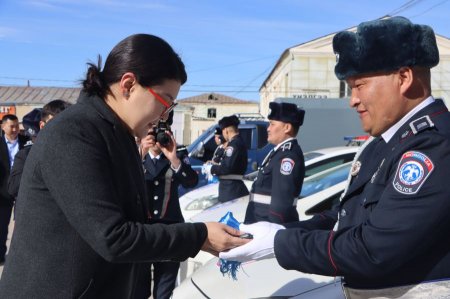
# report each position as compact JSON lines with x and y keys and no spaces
{"x":169,"y":107}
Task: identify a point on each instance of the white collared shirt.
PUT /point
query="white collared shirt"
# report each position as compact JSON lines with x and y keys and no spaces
{"x":392,"y":130}
{"x":13,"y":149}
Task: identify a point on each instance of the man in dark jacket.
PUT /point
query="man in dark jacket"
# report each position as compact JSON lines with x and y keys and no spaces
{"x":10,"y":144}
{"x":391,"y":237}
{"x":233,"y":164}
{"x":32,"y":122}
{"x":275,"y":191}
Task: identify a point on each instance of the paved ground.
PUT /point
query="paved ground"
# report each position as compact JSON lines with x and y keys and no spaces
{"x":10,"y":231}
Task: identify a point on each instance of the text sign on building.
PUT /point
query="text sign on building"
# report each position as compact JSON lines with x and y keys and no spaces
{"x":7,"y":109}
{"x":309,"y":96}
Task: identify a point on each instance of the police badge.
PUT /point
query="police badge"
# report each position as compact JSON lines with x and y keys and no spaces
{"x":355,"y":168}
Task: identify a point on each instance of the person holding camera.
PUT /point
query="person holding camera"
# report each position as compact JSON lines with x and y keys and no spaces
{"x":164,"y":171}
{"x":82,"y":229}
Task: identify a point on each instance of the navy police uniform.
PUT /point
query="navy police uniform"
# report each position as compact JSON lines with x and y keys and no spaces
{"x":280,"y":178}
{"x":393,"y":218}
{"x":232,"y":166}
{"x":275,"y":191}
{"x":164,"y":207}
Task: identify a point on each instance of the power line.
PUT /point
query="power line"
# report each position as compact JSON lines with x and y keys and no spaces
{"x":424,"y":12}
{"x":404,"y":7}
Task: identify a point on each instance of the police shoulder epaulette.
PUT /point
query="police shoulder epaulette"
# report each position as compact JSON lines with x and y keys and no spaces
{"x":286,"y":146}
{"x":421,"y":124}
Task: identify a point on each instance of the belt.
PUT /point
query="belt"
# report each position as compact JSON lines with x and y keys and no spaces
{"x":266,"y":199}
{"x":433,"y":289}
{"x":237,"y":177}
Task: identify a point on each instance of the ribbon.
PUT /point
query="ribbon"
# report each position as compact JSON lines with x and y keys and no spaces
{"x":229,"y":267}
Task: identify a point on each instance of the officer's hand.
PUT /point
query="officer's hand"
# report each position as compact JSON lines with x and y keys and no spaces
{"x":221,"y":237}
{"x":170,"y":151}
{"x":261,"y":247}
{"x":146,"y":143}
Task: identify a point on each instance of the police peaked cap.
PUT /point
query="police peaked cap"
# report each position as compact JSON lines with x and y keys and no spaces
{"x":286,"y":112}
{"x":229,"y":121}
{"x":218,"y":131}
{"x":383,"y":46}
{"x":31,"y":121}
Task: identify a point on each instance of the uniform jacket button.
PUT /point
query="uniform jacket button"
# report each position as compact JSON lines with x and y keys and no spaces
{"x":343,"y":213}
{"x":156,"y":183}
{"x":155,"y":197}
{"x":155,"y":212}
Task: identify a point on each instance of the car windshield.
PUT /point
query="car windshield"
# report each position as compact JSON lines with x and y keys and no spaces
{"x":325,"y":180}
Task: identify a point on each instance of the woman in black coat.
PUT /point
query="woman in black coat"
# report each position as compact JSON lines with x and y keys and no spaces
{"x":82,"y":228}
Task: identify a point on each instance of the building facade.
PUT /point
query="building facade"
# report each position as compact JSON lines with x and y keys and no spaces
{"x":209,"y":108}
{"x":306,"y":71}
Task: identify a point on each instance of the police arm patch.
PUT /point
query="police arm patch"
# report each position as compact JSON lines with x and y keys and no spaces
{"x":413,"y":170}
{"x":229,"y":151}
{"x":287,"y":165}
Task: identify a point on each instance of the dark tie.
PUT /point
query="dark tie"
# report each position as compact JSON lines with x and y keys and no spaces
{"x":154,"y":160}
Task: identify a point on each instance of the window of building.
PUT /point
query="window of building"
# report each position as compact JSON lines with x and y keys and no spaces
{"x":344,"y":90}
{"x":211,"y":112}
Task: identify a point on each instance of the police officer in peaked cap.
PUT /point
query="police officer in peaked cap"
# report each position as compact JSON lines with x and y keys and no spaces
{"x":275,"y":191}
{"x":391,"y":237}
{"x":234,"y":161}
{"x":221,"y":145}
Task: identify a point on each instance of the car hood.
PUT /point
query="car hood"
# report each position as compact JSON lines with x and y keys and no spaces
{"x":262,"y":279}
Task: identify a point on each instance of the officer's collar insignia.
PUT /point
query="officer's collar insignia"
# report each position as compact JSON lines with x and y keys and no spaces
{"x":286,"y":146}
{"x":421,"y":124}
{"x":29,"y":142}
{"x":186,"y":160}
{"x":287,"y":165}
{"x":413,"y":170}
{"x":405,"y":134}
{"x":229,"y":151}
{"x":355,"y":168}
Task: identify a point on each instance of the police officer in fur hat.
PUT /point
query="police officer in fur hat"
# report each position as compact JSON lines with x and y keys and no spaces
{"x":234,"y":161}
{"x":275,"y":191}
{"x":391,"y":237}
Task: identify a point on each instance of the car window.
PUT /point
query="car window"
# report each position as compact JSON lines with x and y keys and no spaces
{"x":246,"y":135}
{"x":328,"y":163}
{"x":325,"y":180}
{"x":262,"y":136}
{"x":311,"y":155}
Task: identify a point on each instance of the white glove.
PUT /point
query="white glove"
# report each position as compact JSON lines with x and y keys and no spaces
{"x":261,"y":247}
{"x":206,"y":168}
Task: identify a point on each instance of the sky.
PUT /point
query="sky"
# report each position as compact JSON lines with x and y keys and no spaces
{"x":228,"y":46}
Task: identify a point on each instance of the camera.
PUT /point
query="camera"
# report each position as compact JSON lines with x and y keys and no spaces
{"x":159,"y":131}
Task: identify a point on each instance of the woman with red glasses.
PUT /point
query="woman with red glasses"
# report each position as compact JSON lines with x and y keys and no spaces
{"x":83,"y":228}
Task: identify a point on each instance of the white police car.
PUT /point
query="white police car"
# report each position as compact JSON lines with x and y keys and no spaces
{"x":196,"y":201}
{"x":318,"y":193}
{"x":266,"y":279}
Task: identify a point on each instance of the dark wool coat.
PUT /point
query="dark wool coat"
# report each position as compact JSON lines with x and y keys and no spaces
{"x":80,"y":229}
